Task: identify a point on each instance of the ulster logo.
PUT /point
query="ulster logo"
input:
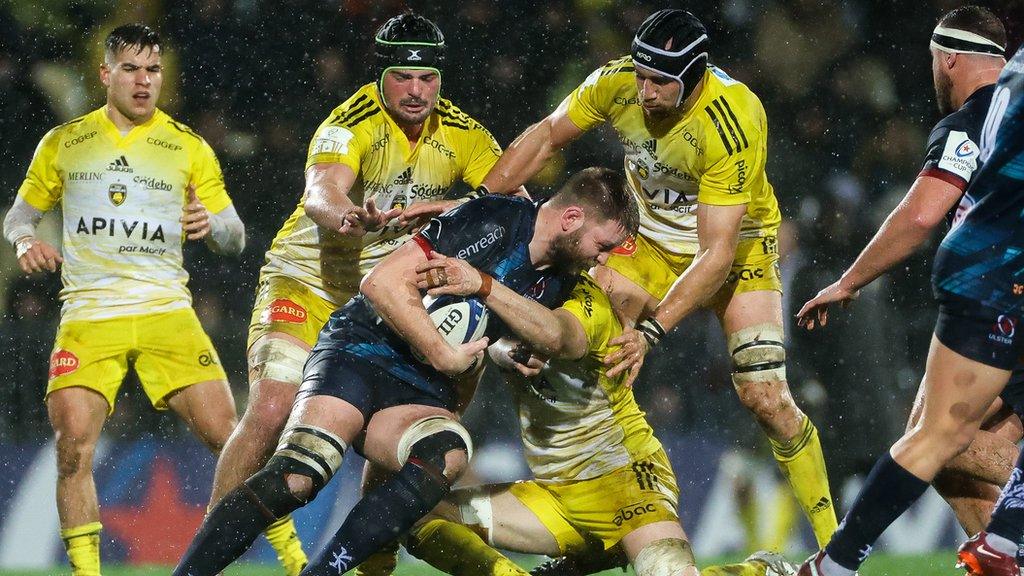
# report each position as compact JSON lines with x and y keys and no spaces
{"x":117,"y":193}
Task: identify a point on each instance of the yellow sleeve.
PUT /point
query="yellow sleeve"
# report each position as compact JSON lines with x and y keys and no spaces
{"x":484,"y":153}
{"x":736,"y":145}
{"x":594,"y":311}
{"x":43,"y":186}
{"x":208,"y":179}
{"x":587,"y":105}
{"x":333,"y":144}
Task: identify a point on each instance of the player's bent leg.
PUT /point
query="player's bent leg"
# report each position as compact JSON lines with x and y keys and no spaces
{"x":275,"y":372}
{"x":320,"y":429}
{"x":384,"y":561}
{"x":971,"y":500}
{"x":753,"y":324}
{"x":660,"y":548}
{"x":458,"y":535}
{"x":431,"y":449}
{"x":77,"y":416}
{"x":209,"y":411}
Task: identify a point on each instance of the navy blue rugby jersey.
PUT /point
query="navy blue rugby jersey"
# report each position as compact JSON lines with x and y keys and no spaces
{"x":982,"y":257}
{"x":953,"y":150}
{"x":493,"y":234}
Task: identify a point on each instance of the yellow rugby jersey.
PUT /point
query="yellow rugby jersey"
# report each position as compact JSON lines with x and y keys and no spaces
{"x":714,"y":154}
{"x":577,"y":423}
{"x":122,"y":198}
{"x":362,"y":135}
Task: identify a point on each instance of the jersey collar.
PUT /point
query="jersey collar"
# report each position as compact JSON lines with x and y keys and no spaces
{"x":138,"y":131}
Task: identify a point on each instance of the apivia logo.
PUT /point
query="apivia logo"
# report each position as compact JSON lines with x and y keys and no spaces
{"x":414,"y":55}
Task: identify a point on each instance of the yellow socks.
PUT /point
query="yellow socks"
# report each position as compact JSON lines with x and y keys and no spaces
{"x":803,"y":464}
{"x":458,"y":550}
{"x":83,"y":546}
{"x":285,"y":541}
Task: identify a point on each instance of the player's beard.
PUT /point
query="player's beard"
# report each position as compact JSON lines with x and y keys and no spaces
{"x":565,"y":253}
{"x":944,"y":94}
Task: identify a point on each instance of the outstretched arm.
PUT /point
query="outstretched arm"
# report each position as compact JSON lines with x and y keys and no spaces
{"x":908,"y":226}
{"x":530,"y":151}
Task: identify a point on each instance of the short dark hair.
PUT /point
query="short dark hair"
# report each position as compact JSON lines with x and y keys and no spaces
{"x":978,"y":20}
{"x":604,"y":192}
{"x":129,"y":35}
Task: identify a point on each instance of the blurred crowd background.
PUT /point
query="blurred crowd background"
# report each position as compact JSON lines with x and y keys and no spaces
{"x":846,"y":84}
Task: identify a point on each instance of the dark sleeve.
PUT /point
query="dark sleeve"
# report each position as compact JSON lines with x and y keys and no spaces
{"x":952,"y":156}
{"x":476,"y":231}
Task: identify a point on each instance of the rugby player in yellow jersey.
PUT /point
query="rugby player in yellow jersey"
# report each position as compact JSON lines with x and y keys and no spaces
{"x":133,"y":185}
{"x":601,"y":480}
{"x":695,"y":142}
{"x":393,"y":144}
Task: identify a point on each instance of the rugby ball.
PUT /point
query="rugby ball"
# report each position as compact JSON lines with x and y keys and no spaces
{"x":458,"y":319}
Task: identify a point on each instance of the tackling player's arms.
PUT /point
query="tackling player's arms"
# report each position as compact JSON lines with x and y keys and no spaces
{"x":718,"y":230}
{"x":531,"y":151}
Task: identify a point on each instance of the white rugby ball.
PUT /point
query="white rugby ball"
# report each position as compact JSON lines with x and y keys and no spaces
{"x":458,"y":319}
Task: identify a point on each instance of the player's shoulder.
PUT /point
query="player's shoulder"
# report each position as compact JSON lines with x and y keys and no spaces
{"x":184,"y":134}
{"x":731,"y":111}
{"x":968,"y":118}
{"x":359,"y":108}
{"x":500,"y":206}
{"x":77,"y":130}
{"x":733,"y":96}
{"x":454,"y":117}
{"x":613,"y":75}
{"x":620,"y":65}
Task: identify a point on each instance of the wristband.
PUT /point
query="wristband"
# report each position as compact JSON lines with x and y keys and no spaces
{"x":486,"y":282}
{"x":478,"y":192}
{"x":652,"y":330}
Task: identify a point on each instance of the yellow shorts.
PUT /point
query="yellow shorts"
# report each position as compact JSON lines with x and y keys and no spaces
{"x":169,"y":350}
{"x":606,"y":508}
{"x":290,"y":307}
{"x":756,"y":267}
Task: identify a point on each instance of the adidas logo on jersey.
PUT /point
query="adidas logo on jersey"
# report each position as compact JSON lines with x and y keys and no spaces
{"x":821,"y":506}
{"x":404,"y":178}
{"x":119,"y":165}
{"x":651,"y":146}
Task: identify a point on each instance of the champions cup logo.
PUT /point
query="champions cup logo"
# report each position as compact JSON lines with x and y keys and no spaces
{"x":117,"y":193}
{"x":966,"y":148}
{"x":62,"y":362}
{"x":627,"y":248}
{"x":283,"y":310}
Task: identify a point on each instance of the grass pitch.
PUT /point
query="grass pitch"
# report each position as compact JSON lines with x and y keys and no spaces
{"x":936,"y":564}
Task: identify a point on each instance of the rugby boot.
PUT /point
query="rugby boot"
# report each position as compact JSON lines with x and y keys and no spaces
{"x":775,"y":563}
{"x":583,"y":564}
{"x":812,"y":566}
{"x":979,"y":559}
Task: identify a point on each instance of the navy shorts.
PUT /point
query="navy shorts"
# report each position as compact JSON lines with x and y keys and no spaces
{"x":978,"y":332}
{"x":368,"y":387}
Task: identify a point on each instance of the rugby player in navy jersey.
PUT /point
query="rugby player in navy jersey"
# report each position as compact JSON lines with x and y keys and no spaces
{"x":978,"y":279}
{"x":964,"y":82}
{"x":363,"y":386}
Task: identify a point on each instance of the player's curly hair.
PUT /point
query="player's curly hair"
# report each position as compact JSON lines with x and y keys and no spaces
{"x":137,"y":36}
{"x":603,"y":192}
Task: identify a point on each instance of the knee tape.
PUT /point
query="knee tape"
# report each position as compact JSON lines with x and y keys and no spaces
{"x":476,"y":510}
{"x":664,"y":557}
{"x":277,"y":359}
{"x":434,"y":426}
{"x":758,"y":354}
{"x":317,"y":449}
